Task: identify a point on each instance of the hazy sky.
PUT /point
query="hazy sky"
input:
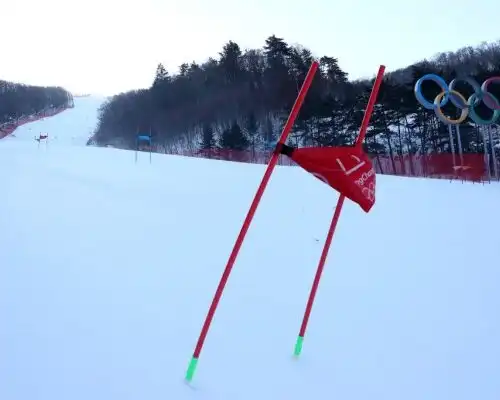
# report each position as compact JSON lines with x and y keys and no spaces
{"x":109,"y":46}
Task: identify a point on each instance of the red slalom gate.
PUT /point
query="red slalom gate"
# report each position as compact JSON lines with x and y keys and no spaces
{"x":246,"y":224}
{"x":336,"y":215}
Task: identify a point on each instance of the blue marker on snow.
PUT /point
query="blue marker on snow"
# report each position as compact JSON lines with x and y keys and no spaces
{"x":143,"y":138}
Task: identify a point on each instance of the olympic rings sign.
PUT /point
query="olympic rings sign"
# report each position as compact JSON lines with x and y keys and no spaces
{"x":448,"y":93}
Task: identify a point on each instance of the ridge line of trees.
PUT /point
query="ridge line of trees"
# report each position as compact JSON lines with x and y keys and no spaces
{"x":240,"y":100}
{"x":18,"y":100}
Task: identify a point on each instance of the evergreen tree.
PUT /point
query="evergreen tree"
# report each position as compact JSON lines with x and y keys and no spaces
{"x":233,"y":138}
{"x":230,"y":61}
{"x":161,"y":75}
{"x":252,"y":128}
{"x":208,"y":138}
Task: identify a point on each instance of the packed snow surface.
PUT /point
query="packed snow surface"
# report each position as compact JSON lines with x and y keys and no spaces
{"x":108,"y":267}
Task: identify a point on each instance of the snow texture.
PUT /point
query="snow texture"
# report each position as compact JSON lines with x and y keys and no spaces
{"x":108,"y":267}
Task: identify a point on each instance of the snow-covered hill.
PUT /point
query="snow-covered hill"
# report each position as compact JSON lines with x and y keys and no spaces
{"x":107,"y":268}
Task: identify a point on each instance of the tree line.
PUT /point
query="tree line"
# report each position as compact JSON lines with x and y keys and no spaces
{"x":18,"y":100}
{"x":240,"y":100}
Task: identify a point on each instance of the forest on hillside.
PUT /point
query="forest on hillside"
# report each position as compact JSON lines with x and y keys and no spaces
{"x":18,"y":100}
{"x":240,"y":100}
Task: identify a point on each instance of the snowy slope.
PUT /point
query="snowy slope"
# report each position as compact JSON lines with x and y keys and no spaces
{"x":73,"y":126}
{"x":107,"y":269}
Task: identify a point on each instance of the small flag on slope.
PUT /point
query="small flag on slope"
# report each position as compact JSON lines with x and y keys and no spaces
{"x":346,"y":169}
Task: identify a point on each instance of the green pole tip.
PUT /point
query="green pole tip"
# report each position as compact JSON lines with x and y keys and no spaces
{"x":191,"y":369}
{"x":298,"y":346}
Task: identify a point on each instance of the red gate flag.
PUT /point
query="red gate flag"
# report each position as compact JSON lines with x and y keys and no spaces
{"x":346,"y":169}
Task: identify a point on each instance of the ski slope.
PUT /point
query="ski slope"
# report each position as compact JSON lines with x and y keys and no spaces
{"x":107,"y":269}
{"x":72,"y":127}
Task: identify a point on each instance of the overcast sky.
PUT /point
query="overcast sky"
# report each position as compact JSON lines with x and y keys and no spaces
{"x":110,"y":46}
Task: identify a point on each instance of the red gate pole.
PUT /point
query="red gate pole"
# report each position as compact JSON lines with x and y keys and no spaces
{"x":253,"y":207}
{"x":336,"y":216}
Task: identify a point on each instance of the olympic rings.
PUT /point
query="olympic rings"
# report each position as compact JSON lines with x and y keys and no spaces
{"x":448,"y":93}
{"x":444,"y":118}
